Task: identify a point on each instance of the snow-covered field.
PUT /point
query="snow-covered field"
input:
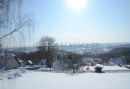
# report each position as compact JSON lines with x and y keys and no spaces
{"x":51,"y":80}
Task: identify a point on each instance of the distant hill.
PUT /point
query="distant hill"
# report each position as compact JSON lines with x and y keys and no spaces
{"x":121,"y":52}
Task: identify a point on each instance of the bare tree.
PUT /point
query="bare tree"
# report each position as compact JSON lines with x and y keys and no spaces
{"x":14,"y":25}
{"x":46,"y":43}
{"x":48,"y":47}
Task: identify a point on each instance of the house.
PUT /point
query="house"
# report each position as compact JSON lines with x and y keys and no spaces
{"x":116,"y":61}
{"x":91,"y":61}
{"x":8,"y":61}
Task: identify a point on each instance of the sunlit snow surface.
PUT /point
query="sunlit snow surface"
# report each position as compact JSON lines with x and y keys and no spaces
{"x":50,"y":80}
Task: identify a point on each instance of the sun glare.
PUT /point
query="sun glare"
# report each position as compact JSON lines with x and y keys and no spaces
{"x":76,"y":5}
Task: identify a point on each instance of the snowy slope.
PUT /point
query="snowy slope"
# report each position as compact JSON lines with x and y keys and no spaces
{"x":49,"y":80}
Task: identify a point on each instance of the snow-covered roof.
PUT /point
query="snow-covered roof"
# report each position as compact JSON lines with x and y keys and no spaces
{"x":30,"y":62}
{"x":99,"y":65}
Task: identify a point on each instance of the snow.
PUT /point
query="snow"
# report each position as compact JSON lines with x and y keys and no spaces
{"x":99,"y":65}
{"x":51,"y":80}
{"x":114,"y":68}
{"x":104,"y":68}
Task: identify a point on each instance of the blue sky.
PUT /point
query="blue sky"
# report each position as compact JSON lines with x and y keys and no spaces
{"x":100,"y":21}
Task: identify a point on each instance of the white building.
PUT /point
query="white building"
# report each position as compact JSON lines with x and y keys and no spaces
{"x":116,"y":61}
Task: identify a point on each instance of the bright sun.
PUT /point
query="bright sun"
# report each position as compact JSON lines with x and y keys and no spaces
{"x":76,"y":5}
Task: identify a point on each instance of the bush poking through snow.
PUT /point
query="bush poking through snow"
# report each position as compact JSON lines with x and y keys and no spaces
{"x":98,"y":68}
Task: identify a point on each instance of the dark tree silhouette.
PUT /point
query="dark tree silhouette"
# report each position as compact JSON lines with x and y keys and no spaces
{"x":47,"y":45}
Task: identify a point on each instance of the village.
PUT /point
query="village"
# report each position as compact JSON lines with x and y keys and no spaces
{"x":63,"y":61}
